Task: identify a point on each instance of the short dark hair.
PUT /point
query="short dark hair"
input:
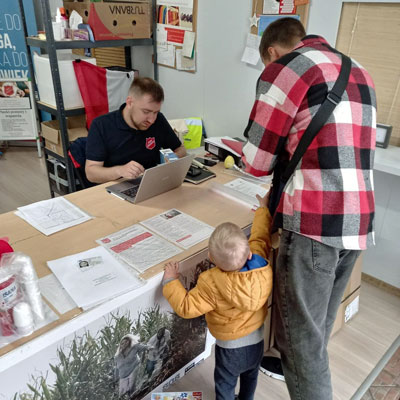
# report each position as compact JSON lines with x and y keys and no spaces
{"x":141,"y":86}
{"x":285,"y":32}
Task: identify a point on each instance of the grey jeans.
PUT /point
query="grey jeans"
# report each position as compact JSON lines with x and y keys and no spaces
{"x":310,"y":279}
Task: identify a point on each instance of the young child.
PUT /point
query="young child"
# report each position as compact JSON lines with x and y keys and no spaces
{"x":233,"y":296}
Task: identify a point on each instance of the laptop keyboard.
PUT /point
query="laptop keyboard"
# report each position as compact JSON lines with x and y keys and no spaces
{"x":131,"y":192}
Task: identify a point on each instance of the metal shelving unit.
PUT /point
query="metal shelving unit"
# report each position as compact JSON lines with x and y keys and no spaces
{"x":51,"y":46}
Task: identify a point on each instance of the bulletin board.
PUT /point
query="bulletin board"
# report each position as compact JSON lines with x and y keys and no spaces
{"x":301,"y":9}
{"x":177,"y":34}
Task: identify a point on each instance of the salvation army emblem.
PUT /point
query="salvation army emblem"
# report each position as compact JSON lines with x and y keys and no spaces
{"x":150,"y":143}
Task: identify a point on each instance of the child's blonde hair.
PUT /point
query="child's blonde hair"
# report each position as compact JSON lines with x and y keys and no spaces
{"x":228,"y":247}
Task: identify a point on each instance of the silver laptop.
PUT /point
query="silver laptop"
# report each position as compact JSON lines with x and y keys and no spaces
{"x":154,"y":181}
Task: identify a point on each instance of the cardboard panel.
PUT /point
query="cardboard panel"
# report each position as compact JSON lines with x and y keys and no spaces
{"x":81,"y":8}
{"x":355,"y":278}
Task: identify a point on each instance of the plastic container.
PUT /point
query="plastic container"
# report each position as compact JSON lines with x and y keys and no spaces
{"x":9,"y":293}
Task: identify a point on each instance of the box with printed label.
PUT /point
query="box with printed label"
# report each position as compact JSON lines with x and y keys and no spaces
{"x":347,"y":310}
{"x":51,"y":132}
{"x":115,"y":20}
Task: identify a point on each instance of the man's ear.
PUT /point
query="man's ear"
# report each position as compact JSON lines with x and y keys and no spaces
{"x":129,"y":101}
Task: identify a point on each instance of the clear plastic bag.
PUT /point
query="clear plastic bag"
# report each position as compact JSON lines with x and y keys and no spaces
{"x":22,"y":309}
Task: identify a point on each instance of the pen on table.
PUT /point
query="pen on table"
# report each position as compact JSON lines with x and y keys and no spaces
{"x":199,"y":164}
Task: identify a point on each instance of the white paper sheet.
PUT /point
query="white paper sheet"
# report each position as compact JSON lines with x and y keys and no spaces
{"x":93,"y":276}
{"x":240,"y":190}
{"x":138,"y":247}
{"x":55,"y":293}
{"x":180,"y":228}
{"x":270,"y":7}
{"x":182,"y":3}
{"x":166,"y":57}
{"x":54,"y":215}
{"x":188,"y":44}
{"x":162,"y":44}
{"x":251,"y":54}
{"x":247,"y":188}
{"x":184,"y":63}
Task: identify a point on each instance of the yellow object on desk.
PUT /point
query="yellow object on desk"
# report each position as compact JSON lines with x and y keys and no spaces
{"x":229,"y":162}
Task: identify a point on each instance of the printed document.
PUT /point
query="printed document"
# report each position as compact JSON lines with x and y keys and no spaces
{"x":179,"y":228}
{"x":240,"y":190}
{"x":54,"y":215}
{"x":138,"y":247}
{"x":93,"y":276}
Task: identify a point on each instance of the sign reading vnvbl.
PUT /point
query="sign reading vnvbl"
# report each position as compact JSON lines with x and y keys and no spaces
{"x":13,"y":52}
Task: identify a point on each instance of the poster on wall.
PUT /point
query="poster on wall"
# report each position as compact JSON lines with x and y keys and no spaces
{"x":17,"y":116}
{"x":176,"y":30}
{"x":137,"y":347}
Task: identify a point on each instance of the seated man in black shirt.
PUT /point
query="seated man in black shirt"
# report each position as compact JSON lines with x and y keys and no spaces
{"x":125,"y":142}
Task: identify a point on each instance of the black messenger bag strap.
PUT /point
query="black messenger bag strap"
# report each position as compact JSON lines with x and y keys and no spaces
{"x":332,"y":99}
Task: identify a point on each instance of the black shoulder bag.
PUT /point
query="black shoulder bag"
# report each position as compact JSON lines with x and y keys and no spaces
{"x":284,"y":170}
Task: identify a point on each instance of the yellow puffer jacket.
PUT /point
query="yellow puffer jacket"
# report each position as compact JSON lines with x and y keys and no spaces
{"x":235,"y":303}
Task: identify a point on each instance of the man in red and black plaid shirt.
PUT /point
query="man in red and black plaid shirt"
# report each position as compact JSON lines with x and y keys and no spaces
{"x":326,"y":211}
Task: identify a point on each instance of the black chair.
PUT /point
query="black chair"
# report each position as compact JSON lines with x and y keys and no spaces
{"x":77,"y":154}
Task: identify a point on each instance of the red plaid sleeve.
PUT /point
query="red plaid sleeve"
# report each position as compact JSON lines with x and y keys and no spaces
{"x":280,"y":92}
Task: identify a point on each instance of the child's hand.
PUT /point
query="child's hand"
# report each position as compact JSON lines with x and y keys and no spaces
{"x":263,"y":201}
{"x":171,"y":271}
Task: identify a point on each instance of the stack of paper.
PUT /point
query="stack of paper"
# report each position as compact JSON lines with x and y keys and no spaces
{"x":156,"y":239}
{"x":93,"y":276}
{"x":240,"y":190}
{"x":50,"y":216}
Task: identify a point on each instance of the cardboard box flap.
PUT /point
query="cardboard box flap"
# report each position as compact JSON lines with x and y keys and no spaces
{"x":76,"y":122}
{"x":75,"y":133}
{"x":50,"y":130}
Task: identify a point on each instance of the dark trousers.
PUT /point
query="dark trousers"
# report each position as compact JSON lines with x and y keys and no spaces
{"x":310,"y":280}
{"x":230,"y":364}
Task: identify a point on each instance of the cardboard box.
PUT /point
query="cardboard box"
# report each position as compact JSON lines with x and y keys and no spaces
{"x":69,"y":85}
{"x":167,"y":155}
{"x":347,"y":310}
{"x":355,"y":278}
{"x":52,"y":134}
{"x":82,"y":8}
{"x":115,"y":20}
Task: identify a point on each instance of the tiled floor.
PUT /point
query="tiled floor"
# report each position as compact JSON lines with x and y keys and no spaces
{"x":387,"y":385}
